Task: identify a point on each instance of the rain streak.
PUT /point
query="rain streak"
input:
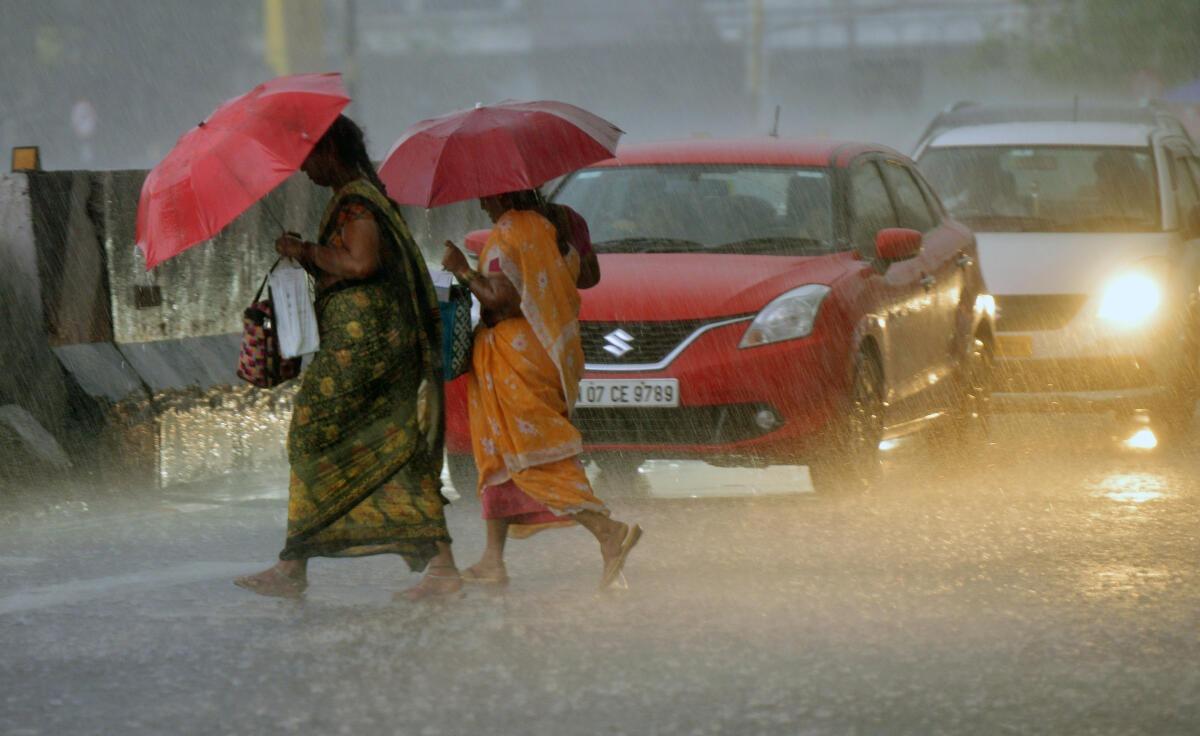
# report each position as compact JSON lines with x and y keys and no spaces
{"x":566,"y":367}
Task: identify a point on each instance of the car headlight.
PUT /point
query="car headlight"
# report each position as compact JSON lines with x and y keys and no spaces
{"x":986,"y":303}
{"x":1130,"y":300}
{"x":789,"y":316}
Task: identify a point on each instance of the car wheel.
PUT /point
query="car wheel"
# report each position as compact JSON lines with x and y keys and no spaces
{"x":852,"y":460}
{"x":463,"y":476}
{"x":1172,"y":420}
{"x":966,"y":427}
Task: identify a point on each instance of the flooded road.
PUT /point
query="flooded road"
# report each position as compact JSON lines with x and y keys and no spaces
{"x":1050,"y":586}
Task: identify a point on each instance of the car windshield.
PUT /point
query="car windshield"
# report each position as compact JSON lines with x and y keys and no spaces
{"x":1046,"y":188}
{"x":755,"y":210}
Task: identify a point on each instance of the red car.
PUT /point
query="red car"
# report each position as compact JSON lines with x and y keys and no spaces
{"x":770,"y":301}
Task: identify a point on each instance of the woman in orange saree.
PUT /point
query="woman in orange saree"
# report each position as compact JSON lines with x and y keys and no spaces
{"x":526,"y":366}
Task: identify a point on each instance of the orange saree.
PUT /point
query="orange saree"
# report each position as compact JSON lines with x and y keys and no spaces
{"x":524,"y":383}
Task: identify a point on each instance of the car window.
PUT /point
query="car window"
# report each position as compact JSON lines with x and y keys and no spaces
{"x":1047,"y":188}
{"x":871,"y":208}
{"x":1187,"y":199}
{"x":931,"y":198}
{"x":744,"y":209}
{"x":910,"y":203}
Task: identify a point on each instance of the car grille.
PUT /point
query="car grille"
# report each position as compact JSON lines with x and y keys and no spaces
{"x":1036,"y":312}
{"x":649,"y":342}
{"x":684,"y":425}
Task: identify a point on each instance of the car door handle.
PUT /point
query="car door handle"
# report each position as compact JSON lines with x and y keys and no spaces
{"x":964,"y":260}
{"x":928,"y":282}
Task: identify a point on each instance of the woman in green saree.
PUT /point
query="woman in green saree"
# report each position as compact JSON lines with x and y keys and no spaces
{"x":365,"y":441}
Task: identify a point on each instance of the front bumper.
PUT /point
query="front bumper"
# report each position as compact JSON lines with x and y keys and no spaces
{"x":722,"y":391}
{"x":1085,"y":366}
{"x":1080,"y":401}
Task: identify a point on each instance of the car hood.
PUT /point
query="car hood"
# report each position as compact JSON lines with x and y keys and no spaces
{"x":1061,"y":263}
{"x":684,"y":286}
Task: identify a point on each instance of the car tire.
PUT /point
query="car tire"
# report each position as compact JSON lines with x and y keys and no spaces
{"x":1172,"y":420}
{"x":851,"y":460}
{"x":965,"y":429}
{"x":463,"y":476}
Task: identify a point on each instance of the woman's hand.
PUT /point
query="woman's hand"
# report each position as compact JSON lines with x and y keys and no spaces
{"x":290,"y":246}
{"x":455,"y":261}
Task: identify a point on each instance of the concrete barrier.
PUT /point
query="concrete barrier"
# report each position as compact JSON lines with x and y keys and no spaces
{"x":30,"y":376}
{"x":89,"y":333}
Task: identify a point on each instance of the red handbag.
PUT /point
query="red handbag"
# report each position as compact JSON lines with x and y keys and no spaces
{"x":260,"y":362}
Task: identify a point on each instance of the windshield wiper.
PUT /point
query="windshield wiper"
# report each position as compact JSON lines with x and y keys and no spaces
{"x":647,"y":245}
{"x":1017,"y":223}
{"x":1091,"y":223}
{"x":783,"y":244}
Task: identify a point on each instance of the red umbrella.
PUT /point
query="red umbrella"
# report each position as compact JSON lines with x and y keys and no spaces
{"x":494,"y":149}
{"x":218,"y":169}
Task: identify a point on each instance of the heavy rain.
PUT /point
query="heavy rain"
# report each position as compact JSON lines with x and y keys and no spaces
{"x":851,"y":391}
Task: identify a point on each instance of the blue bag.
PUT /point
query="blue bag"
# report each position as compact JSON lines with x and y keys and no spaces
{"x":458,"y":333}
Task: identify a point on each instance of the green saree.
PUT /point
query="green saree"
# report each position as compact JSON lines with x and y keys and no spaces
{"x":365,"y":473}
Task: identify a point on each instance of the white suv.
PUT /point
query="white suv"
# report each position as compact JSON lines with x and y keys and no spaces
{"x":1089,"y":239}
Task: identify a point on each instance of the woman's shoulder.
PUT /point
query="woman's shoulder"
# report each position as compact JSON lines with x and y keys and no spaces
{"x":353,"y":210}
{"x":528,"y":223}
{"x":361,"y":198}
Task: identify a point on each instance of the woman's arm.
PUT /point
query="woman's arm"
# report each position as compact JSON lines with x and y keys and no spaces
{"x":496,"y":294}
{"x":357,"y":256}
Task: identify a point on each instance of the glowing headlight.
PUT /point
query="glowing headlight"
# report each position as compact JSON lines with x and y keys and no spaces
{"x":1130,"y":300}
{"x":986,"y":303}
{"x":789,"y":316}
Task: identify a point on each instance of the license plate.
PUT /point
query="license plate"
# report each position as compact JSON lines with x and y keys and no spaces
{"x":629,"y":392}
{"x":1014,"y":346}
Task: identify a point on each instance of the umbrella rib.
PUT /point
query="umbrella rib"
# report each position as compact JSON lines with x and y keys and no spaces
{"x":189,"y":197}
{"x":494,"y":149}
{"x":246,"y":190}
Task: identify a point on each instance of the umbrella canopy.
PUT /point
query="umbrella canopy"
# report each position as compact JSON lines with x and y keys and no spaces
{"x":218,"y":169}
{"x":494,"y":149}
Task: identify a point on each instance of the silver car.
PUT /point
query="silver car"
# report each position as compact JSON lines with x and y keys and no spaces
{"x":1089,"y":239}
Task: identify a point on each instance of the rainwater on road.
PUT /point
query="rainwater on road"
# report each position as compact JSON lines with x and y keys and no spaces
{"x":1047,"y":586}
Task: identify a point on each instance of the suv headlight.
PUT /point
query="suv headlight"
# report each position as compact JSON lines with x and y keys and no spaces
{"x":1130,"y":299}
{"x":787,"y":317}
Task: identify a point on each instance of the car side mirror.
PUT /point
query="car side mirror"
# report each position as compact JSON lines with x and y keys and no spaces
{"x":897,"y":244}
{"x":476,"y":239}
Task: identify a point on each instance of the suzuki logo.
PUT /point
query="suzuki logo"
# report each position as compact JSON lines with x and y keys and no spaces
{"x":618,"y":342}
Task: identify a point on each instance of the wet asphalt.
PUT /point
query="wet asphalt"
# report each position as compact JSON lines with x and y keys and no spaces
{"x":1046,"y":584}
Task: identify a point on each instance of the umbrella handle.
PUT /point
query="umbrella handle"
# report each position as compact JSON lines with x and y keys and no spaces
{"x":271,"y":212}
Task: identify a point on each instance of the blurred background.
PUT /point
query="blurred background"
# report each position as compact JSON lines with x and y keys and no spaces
{"x":107,"y":84}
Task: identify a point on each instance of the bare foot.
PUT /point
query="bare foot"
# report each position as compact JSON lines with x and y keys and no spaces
{"x":276,"y":581}
{"x":486,"y":572}
{"x":438,"y":583}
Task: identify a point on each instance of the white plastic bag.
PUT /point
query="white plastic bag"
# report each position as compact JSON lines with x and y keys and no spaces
{"x":295,"y":318}
{"x":442,"y":281}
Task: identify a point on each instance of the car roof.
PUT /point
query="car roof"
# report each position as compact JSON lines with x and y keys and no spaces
{"x":755,"y":151}
{"x":1047,"y":134}
{"x":966,"y":113}
{"x":970,"y":113}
